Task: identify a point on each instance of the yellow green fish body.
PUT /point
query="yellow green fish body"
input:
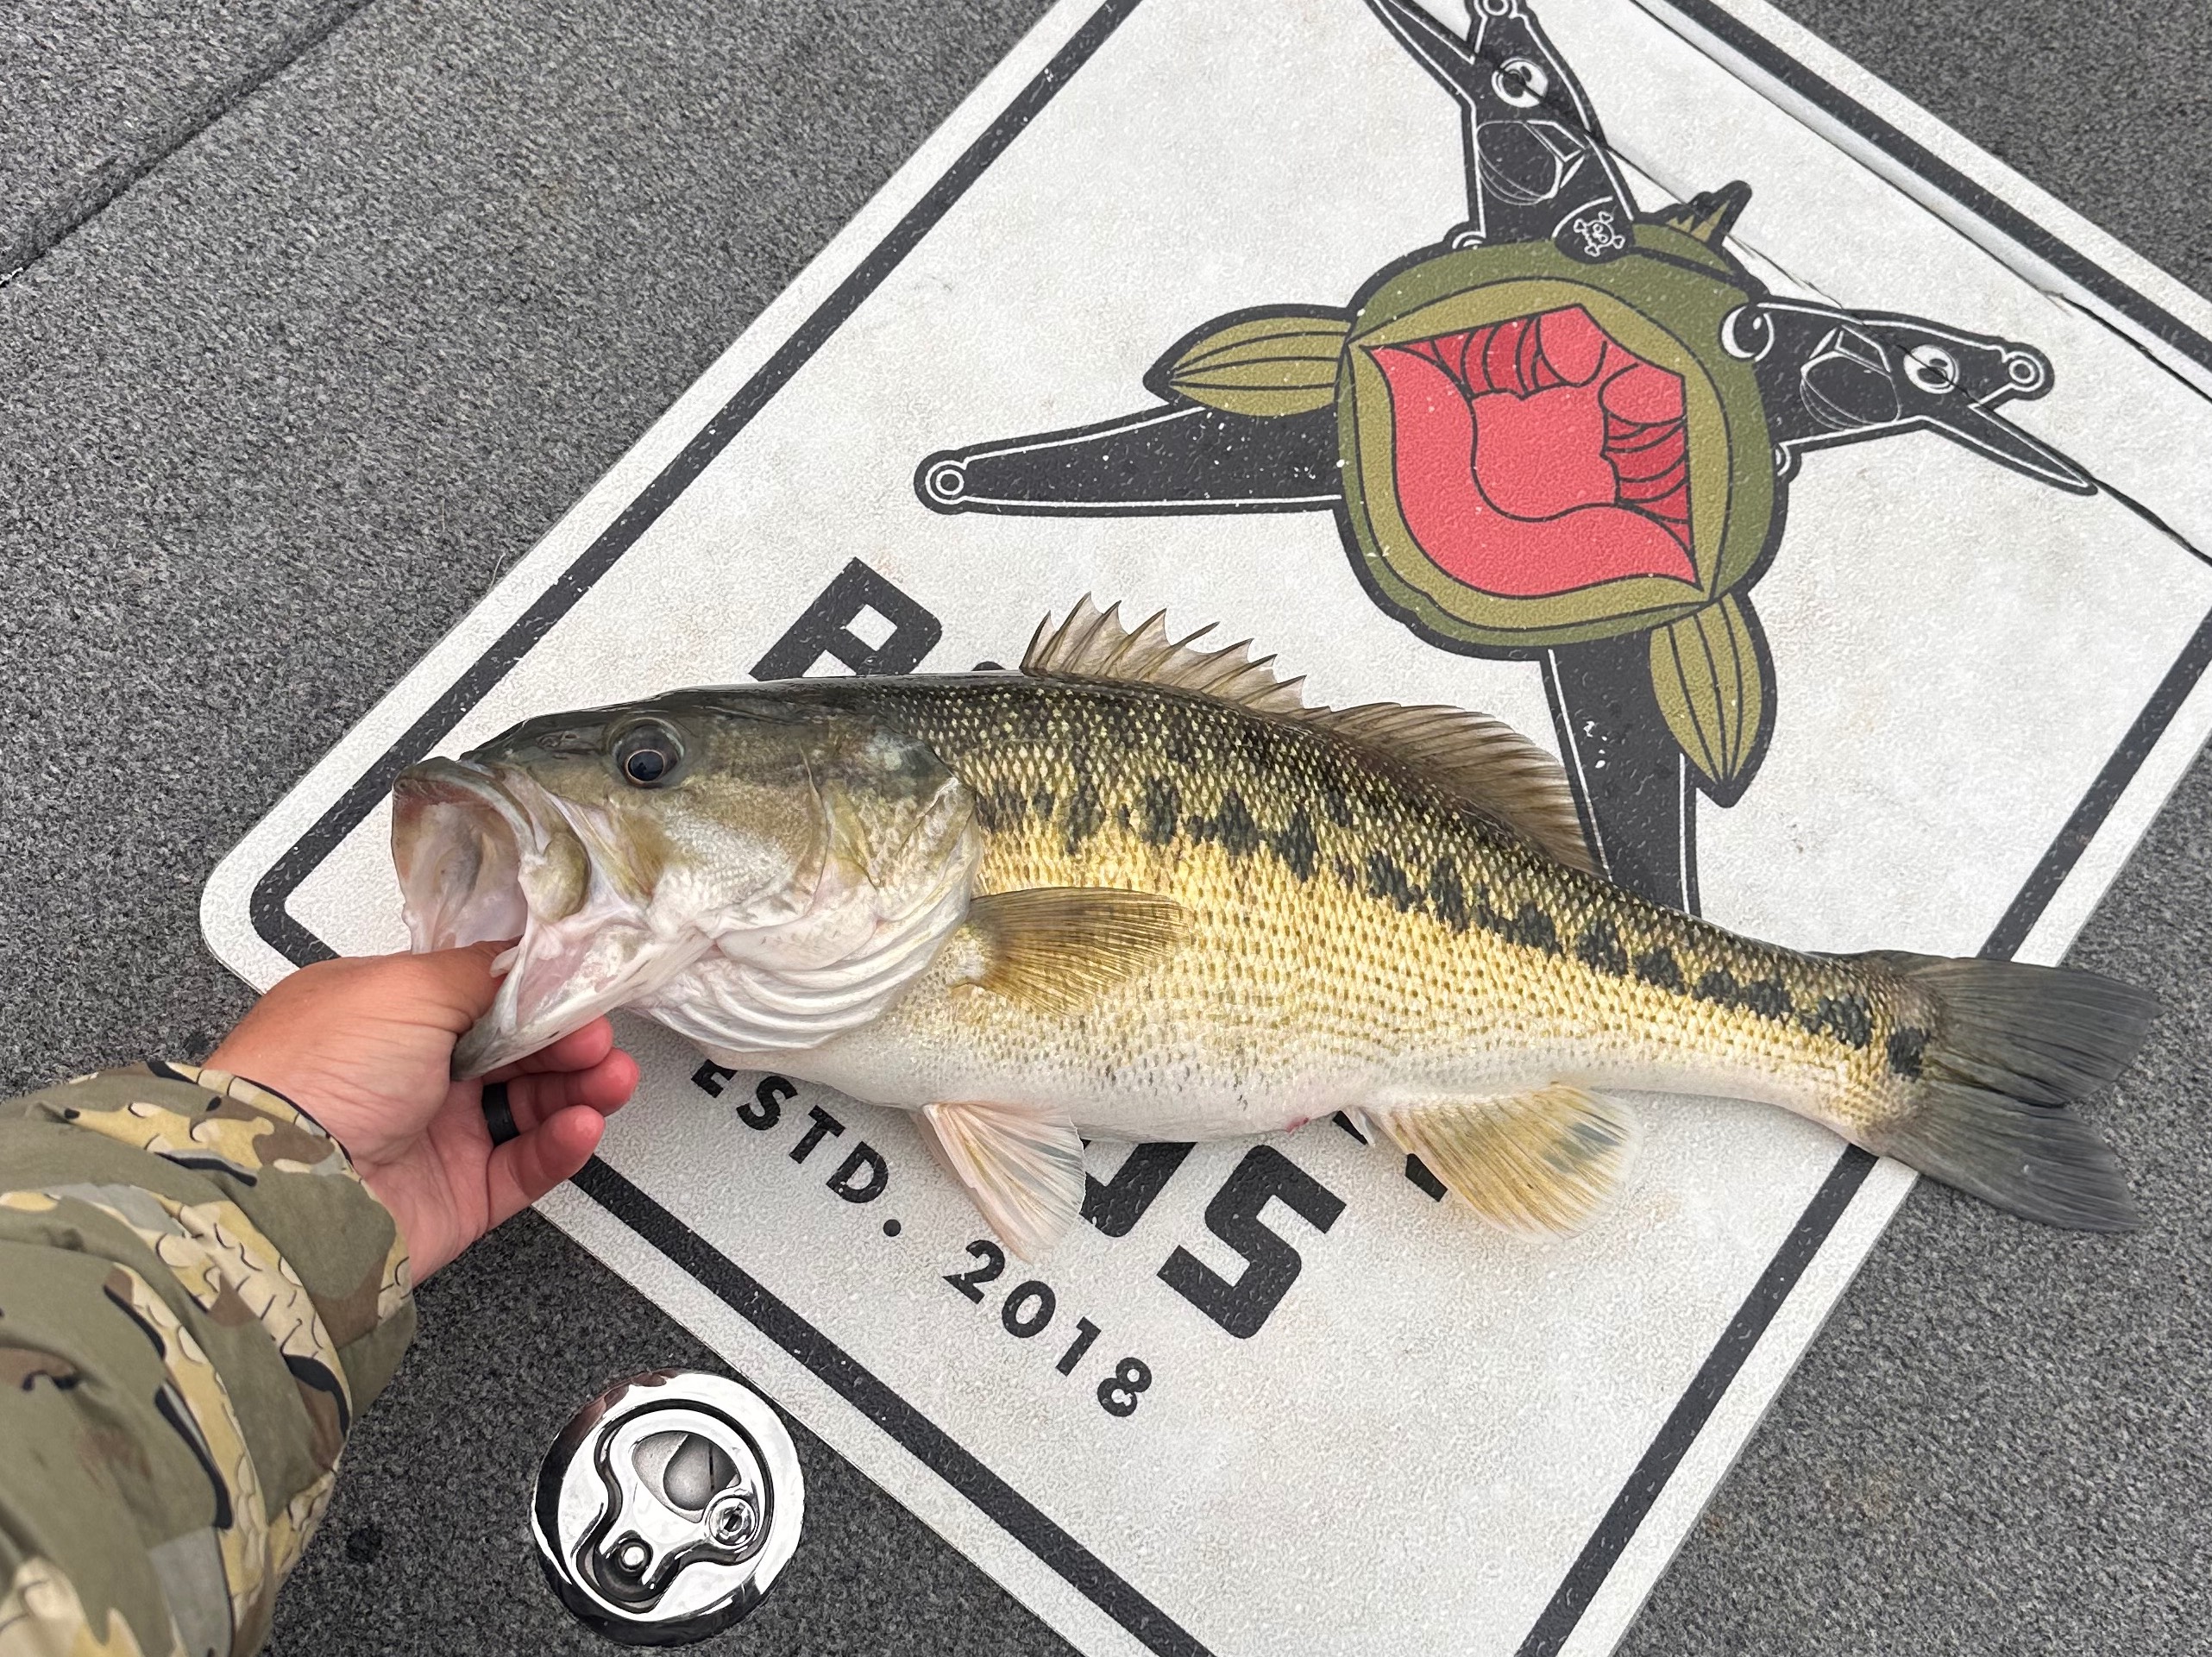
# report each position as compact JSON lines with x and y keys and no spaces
{"x":1354,"y":939}
{"x":1138,"y":892}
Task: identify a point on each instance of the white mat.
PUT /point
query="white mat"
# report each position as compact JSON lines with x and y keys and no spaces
{"x":1435,"y":1440}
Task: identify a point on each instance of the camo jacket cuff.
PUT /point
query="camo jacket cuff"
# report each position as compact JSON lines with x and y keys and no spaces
{"x":197,"y":1295}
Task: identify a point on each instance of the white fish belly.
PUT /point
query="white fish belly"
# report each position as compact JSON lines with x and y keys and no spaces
{"x":1208,"y":1090}
{"x":1137,"y":1097}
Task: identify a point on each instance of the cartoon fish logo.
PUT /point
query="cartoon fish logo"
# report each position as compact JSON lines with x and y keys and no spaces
{"x":1565,"y":433}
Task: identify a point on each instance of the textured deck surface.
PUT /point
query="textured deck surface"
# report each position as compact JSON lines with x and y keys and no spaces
{"x":325,"y":312}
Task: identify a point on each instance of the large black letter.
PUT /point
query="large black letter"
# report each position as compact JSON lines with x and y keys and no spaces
{"x":1234,"y":1217}
{"x":765,"y":1108}
{"x":827,"y":629}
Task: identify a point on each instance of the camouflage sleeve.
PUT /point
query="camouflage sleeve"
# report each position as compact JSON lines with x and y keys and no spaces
{"x":197,"y":1294}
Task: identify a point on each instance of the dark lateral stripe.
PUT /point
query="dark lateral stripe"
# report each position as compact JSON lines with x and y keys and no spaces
{"x":1768,"y":997}
{"x":1385,"y":879}
{"x":1906,"y":1047}
{"x":1599,"y":948}
{"x":1233,"y":827}
{"x":1447,"y":895}
{"x":1085,"y":814}
{"x":1527,"y":926}
{"x":1849,"y":1019}
{"x":1535,"y":929}
{"x":1297,"y":845}
{"x":1159,"y":811}
{"x":1159,"y":817}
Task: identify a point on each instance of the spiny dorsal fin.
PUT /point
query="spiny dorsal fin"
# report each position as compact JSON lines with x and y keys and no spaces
{"x":1532,"y":1162}
{"x":1710,"y":216}
{"x":1054,"y":947}
{"x":1484,"y":763}
{"x":1095,"y":644}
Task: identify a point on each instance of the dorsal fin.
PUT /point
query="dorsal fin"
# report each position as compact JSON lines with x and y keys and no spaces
{"x":1480,"y":760}
{"x":1095,"y":644}
{"x":1483,"y":763}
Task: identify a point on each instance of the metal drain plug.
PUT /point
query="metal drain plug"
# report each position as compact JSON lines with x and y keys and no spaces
{"x":666,"y":1507}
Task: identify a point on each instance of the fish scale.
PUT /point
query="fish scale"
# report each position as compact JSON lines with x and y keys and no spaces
{"x":1404,"y":939}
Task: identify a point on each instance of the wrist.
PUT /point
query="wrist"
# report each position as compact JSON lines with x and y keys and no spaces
{"x":234,"y":1077}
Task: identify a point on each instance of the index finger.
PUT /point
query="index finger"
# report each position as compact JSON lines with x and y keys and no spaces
{"x":579,"y":1050}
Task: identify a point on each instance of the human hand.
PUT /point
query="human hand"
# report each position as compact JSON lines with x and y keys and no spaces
{"x":365,"y":1047}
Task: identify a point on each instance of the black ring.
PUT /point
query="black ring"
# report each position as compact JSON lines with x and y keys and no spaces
{"x":498,"y":1114}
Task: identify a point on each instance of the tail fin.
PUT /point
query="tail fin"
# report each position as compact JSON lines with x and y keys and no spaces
{"x":2010,"y":1046}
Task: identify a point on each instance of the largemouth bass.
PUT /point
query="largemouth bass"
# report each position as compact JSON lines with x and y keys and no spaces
{"x":1141,"y":891}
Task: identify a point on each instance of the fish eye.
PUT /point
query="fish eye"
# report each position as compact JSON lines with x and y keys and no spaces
{"x":648,"y":755}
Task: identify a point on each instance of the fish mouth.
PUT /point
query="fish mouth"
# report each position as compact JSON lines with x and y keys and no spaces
{"x":485,"y":855}
{"x":457,"y":840}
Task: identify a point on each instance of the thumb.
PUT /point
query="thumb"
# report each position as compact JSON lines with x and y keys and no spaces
{"x":457,"y":985}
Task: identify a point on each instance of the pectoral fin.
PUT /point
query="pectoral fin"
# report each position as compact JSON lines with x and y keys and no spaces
{"x":1532,"y":1162}
{"x":1054,"y":947}
{"x":1023,"y":1167}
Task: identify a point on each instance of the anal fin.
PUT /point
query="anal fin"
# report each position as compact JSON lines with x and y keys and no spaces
{"x":1023,"y":1168}
{"x":1541,"y":1162}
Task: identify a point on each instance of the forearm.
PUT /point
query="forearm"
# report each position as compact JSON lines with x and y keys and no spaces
{"x":197,"y":1298}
